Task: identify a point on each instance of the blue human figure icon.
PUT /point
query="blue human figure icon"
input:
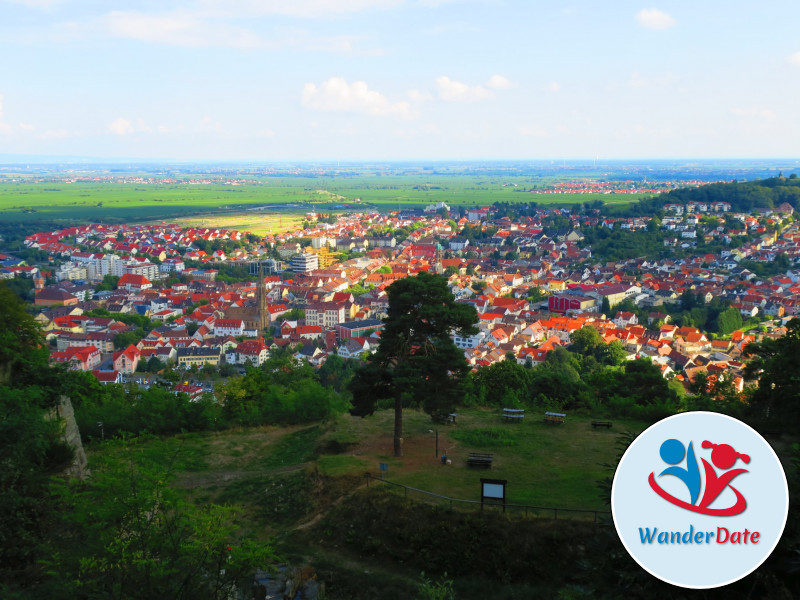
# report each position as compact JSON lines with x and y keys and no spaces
{"x":672,"y":452}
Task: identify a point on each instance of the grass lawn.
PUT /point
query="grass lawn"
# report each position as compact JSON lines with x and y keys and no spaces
{"x":545,"y":465}
{"x":129,"y":202}
{"x":256,"y":223}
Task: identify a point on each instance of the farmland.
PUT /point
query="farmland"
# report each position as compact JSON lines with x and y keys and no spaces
{"x":110,"y":201}
{"x":258,"y":223}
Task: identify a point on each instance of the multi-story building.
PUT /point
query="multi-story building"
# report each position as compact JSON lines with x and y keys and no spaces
{"x":305,"y":262}
{"x":325,"y":314}
{"x":345,"y":331}
{"x":71,"y":271}
{"x":189,"y":357}
{"x":252,"y":352}
{"x":127,"y":360}
{"x":145,"y":269}
{"x":325,"y":256}
{"x":223,"y":327}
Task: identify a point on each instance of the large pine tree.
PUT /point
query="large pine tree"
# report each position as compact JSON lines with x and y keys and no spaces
{"x":417,"y":359}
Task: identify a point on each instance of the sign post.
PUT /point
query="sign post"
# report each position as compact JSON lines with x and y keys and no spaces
{"x":493,"y":489}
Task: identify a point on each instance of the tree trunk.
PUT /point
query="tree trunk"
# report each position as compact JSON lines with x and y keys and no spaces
{"x":398,"y":426}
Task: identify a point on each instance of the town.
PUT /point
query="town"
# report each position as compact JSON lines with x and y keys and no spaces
{"x":319,"y":289}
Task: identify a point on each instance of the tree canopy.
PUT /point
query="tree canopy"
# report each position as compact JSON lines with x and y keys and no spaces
{"x":776,"y":364}
{"x":417,"y":360}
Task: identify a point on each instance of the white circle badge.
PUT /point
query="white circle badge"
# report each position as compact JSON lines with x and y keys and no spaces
{"x":699,"y":500}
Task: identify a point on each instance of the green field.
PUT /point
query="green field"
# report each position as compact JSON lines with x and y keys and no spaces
{"x":546,"y":466}
{"x":126,"y":202}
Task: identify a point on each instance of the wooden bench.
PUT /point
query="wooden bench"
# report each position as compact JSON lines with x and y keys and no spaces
{"x":479,"y":459}
{"x":444,"y":418}
{"x":514,"y":414}
{"x":554,"y":418}
{"x":596,"y":424}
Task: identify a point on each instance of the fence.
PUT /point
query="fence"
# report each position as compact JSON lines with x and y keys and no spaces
{"x":528,"y":510}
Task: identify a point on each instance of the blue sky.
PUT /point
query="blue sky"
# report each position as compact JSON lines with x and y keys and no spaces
{"x":399,"y":79}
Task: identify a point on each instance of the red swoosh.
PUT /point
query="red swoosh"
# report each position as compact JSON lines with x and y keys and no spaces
{"x":737,"y":508}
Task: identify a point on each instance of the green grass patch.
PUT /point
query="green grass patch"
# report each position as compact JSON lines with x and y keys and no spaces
{"x":127,"y":202}
{"x":293,"y":448}
{"x":550,"y":466}
{"x":336,"y":442}
{"x":489,"y":437}
{"x":280,"y":499}
{"x":338,"y":465}
{"x":174,"y":454}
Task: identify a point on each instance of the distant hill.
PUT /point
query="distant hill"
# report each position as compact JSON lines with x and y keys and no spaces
{"x":743,"y":197}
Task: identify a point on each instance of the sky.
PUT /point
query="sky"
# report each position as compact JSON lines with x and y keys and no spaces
{"x":311,"y":80}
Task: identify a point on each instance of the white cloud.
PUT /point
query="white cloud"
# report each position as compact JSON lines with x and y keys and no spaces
{"x":340,"y":44}
{"x":451,"y":28}
{"x":41,"y":4}
{"x":652,"y":18}
{"x":311,"y":9}
{"x":455,"y":91}
{"x":795,"y":58}
{"x":651,"y":81}
{"x":56,"y":134}
{"x":498,"y":82}
{"x":179,"y":28}
{"x":434,"y":3}
{"x":121,"y":126}
{"x":418,"y":96}
{"x":1,"y":105}
{"x":336,"y":95}
{"x":198,"y":29}
{"x":535,"y":131}
{"x":553,"y":86}
{"x":26,"y":127}
{"x":753,"y":111}
{"x":209,"y":125}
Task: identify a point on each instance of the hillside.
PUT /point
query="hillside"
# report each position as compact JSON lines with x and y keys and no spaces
{"x":745,"y":196}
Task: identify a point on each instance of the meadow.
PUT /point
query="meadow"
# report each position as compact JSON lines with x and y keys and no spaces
{"x":25,"y":201}
{"x":258,"y":223}
{"x":545,"y":465}
{"x":304,"y":488}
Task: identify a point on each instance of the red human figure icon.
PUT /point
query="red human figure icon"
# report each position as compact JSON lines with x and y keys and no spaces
{"x":724,"y":457}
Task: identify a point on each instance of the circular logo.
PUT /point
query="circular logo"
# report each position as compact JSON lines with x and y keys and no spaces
{"x":699,"y":500}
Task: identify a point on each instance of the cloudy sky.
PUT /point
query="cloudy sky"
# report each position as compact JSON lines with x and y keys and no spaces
{"x":399,"y":79}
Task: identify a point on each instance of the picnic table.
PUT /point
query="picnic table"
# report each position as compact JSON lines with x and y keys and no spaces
{"x":554,"y":418}
{"x":514,"y":414}
{"x":479,"y":459}
{"x":596,"y":424}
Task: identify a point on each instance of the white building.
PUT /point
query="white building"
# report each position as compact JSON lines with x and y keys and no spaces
{"x":305,"y":262}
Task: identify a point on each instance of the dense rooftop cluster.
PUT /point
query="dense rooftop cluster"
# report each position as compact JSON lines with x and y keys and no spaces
{"x":532,"y":283}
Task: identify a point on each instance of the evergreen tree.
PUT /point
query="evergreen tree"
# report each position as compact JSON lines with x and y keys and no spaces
{"x":776,"y":364}
{"x":416,"y":359}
